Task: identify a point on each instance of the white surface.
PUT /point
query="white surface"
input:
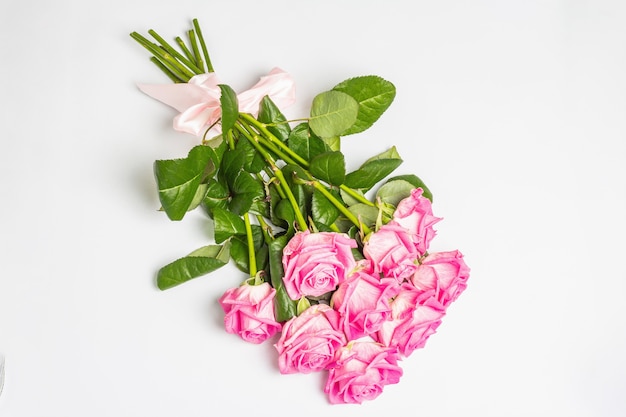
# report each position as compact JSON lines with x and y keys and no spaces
{"x":513,"y":112}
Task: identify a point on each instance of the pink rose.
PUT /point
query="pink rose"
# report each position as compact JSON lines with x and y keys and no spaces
{"x":363,"y":302}
{"x":309,"y":341}
{"x":415,"y":316}
{"x":415,"y":214}
{"x":250,"y":312}
{"x":392,"y":252}
{"x":361,"y":372}
{"x":315,"y":263}
{"x":445,"y":272}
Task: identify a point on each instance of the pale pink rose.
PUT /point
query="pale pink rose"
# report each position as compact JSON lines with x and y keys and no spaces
{"x":309,"y":341}
{"x":415,"y":214}
{"x":392,"y":252}
{"x":315,"y":263}
{"x":415,"y":316}
{"x":363,"y":301}
{"x":444,"y":272}
{"x":250,"y":312}
{"x":361,"y":372}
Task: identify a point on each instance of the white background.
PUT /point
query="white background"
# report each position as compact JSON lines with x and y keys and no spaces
{"x":513,"y":112}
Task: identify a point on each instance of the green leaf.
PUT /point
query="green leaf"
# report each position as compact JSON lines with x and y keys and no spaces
{"x":394,"y":190}
{"x":178,"y":180}
{"x":322,"y":210}
{"x":200,"y":262}
{"x":417,"y":183}
{"x":348,"y":199}
{"x":239,"y":250}
{"x":271,"y":115}
{"x":374,"y":170}
{"x":285,"y":307}
{"x":333,"y":143}
{"x":230,"y":107}
{"x":244,"y":191}
{"x":198,"y":197}
{"x":329,"y":167}
{"x":227,"y":224}
{"x":373,"y":94}
{"x":332,"y":113}
{"x":365,"y":213}
{"x":284,"y":212}
{"x":217,"y":195}
{"x":253,"y":160}
{"x":306,"y":144}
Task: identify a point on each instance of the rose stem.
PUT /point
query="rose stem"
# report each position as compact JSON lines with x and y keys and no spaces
{"x":278,"y":174}
{"x":196,"y":25}
{"x":172,"y":64}
{"x":251,"y":254}
{"x":194,"y":47}
{"x":341,"y":207}
{"x":165,"y":70}
{"x":186,"y":51}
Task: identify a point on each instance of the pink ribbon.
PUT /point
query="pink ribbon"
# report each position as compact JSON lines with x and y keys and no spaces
{"x":198,"y":100}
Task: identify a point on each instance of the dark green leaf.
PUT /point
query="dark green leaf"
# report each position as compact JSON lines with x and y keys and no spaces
{"x":322,"y":210}
{"x":227,"y":224}
{"x":230,"y":107}
{"x":253,"y":160}
{"x":284,"y":212}
{"x":329,"y":167}
{"x":178,"y":180}
{"x":244,"y":191}
{"x":373,"y":94}
{"x":244,"y":188}
{"x":239,"y":250}
{"x":374,"y":170}
{"x":332,"y":113}
{"x":306,"y":144}
{"x":216,"y":196}
{"x":197,"y":263}
{"x":285,"y":307}
{"x":271,"y":115}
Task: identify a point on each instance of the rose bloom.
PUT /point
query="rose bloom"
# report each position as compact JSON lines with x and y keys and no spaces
{"x":363,"y":301}
{"x":250,"y":312}
{"x":415,"y":214}
{"x":361,"y":371}
{"x":445,"y":272}
{"x":392,"y":252}
{"x":315,"y":263}
{"x":415,"y":316}
{"x":309,"y":341}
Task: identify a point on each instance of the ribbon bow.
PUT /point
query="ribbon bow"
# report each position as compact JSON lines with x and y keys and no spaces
{"x":198,"y":100}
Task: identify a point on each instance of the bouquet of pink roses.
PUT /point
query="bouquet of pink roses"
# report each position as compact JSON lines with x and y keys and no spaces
{"x":337,"y":263}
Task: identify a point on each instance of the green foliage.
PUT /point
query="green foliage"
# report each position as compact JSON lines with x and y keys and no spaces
{"x":229,"y":106}
{"x":178,"y":180}
{"x":373,"y":95}
{"x":329,"y":167}
{"x":332,"y":113}
{"x":285,"y":307}
{"x":374,"y":170}
{"x":305,"y":143}
{"x":271,"y":115}
{"x":200,"y":262}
